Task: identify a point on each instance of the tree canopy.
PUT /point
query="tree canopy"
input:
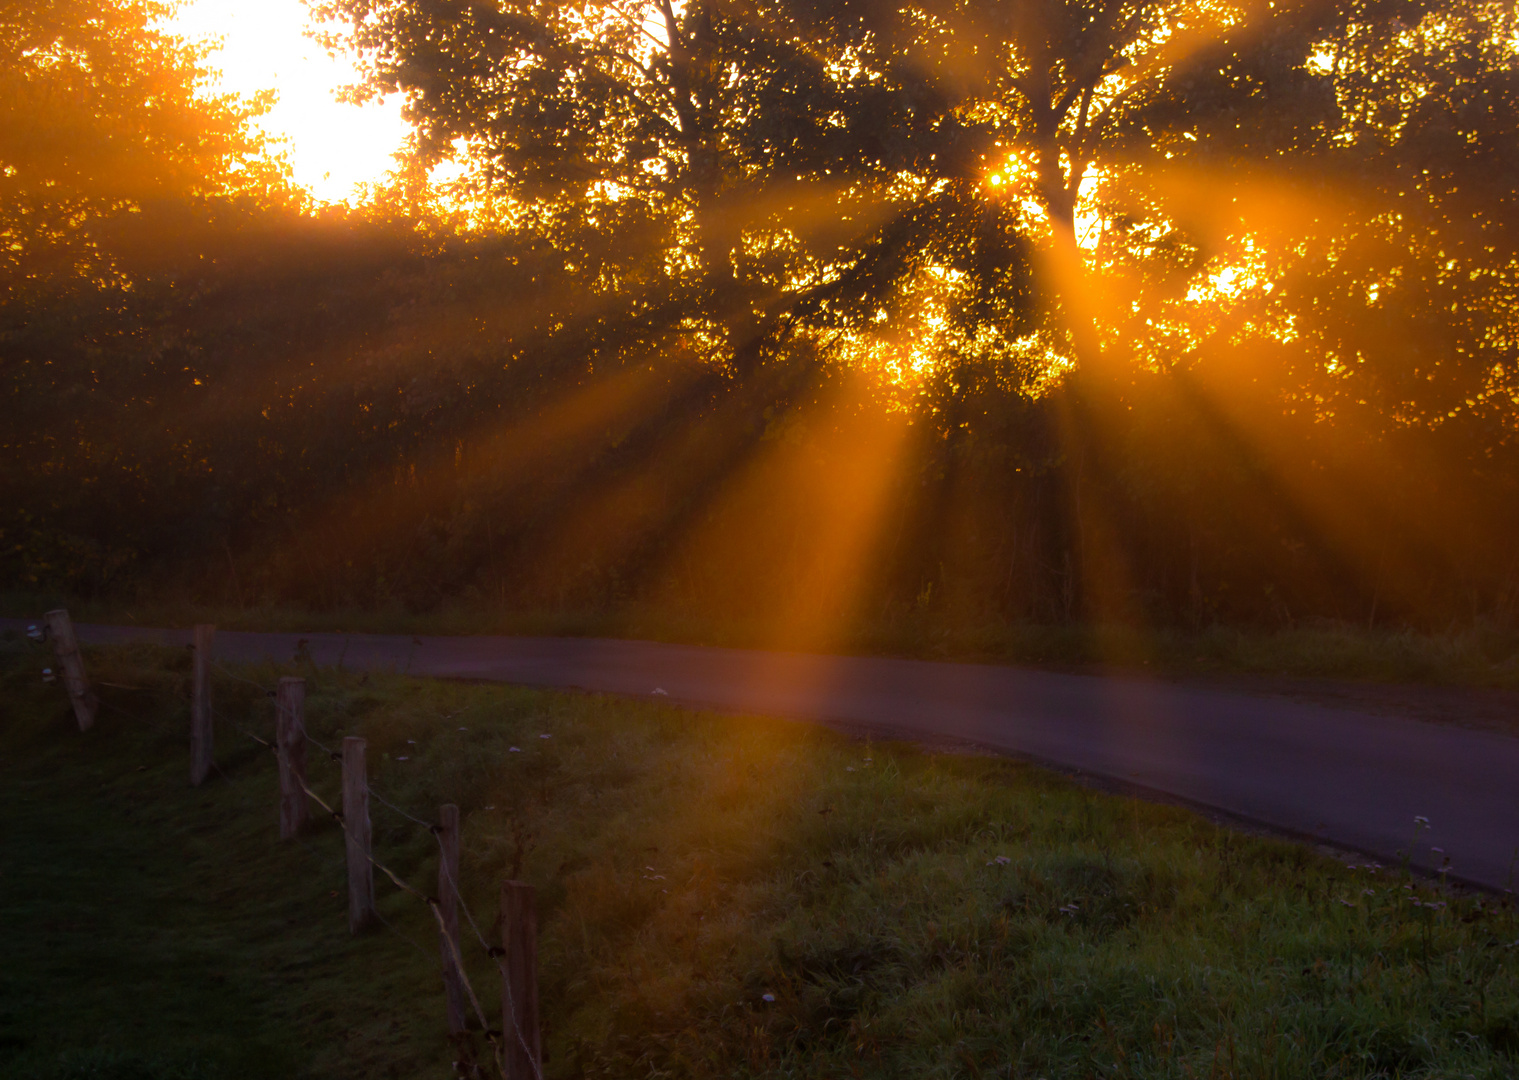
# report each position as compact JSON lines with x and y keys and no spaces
{"x":984,"y":178}
{"x":105,"y":138}
{"x":1035,"y":310}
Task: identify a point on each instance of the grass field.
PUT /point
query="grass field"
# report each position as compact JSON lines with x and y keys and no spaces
{"x":719,"y":896}
{"x":1478,"y":654}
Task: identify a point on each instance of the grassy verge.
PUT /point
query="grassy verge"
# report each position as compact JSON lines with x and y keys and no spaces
{"x":719,"y":896}
{"x":1475,"y":655}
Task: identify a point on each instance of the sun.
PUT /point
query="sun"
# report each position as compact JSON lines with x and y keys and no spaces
{"x":332,"y":146}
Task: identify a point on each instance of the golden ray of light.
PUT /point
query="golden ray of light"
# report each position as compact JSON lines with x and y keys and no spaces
{"x":1348,"y":497}
{"x":1221,"y":204}
{"x":604,"y":522}
{"x":1353,"y":508}
{"x":632,"y":516}
{"x":557,"y":441}
{"x":332,"y":146}
{"x":850,"y":502}
{"x":794,"y":536}
{"x":574,"y":425}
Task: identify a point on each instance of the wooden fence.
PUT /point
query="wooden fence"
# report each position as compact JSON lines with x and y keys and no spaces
{"x":516,"y":1044}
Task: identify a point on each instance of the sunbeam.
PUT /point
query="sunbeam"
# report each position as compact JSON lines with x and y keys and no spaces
{"x":815,"y":319}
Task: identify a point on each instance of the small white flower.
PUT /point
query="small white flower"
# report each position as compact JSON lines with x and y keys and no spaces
{"x":1420,"y":819}
{"x":660,"y":690}
{"x":849,"y":768}
{"x":767,"y":997}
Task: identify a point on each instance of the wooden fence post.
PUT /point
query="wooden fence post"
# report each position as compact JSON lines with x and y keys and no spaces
{"x":448,"y":908}
{"x":519,"y":976}
{"x":361,"y":912}
{"x":290,"y":744}
{"x":200,"y":705}
{"x":66,"y":647}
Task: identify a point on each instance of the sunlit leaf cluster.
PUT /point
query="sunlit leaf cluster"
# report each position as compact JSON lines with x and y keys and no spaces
{"x":104,"y":133}
{"x":1089,"y":182}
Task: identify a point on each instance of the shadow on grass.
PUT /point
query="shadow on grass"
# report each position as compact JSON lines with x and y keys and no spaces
{"x":718,"y":896}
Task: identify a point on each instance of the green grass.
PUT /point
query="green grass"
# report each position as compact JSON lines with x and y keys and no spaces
{"x":910,"y":914}
{"x":1479,"y":654}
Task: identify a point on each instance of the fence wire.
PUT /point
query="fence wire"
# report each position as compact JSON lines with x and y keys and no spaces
{"x":493,"y":954}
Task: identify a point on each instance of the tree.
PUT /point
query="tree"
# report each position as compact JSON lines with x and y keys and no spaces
{"x":102,"y":127}
{"x":114,"y":171}
{"x":732,"y":142}
{"x":1362,"y":212}
{"x":814,"y":160}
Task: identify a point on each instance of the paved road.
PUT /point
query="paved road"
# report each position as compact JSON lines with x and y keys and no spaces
{"x":1347,"y":777}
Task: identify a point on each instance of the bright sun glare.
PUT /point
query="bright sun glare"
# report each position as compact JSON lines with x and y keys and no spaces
{"x":332,"y":146}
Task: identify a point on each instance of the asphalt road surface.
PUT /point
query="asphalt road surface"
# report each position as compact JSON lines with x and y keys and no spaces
{"x":1345,"y":777}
